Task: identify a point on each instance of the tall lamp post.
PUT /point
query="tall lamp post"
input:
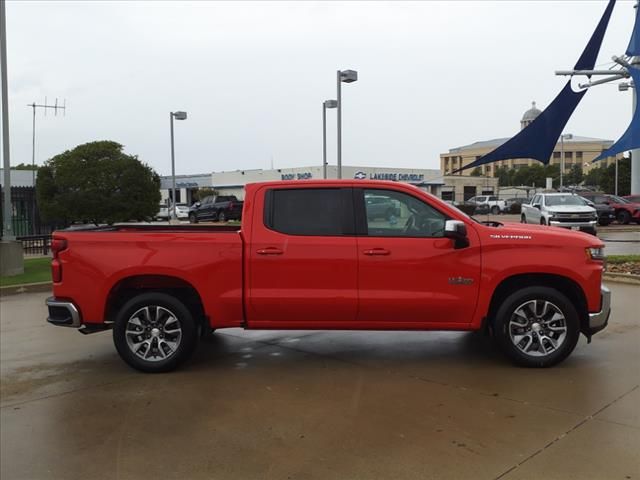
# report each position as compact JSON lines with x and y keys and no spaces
{"x":568,"y":136}
{"x":346,"y":76}
{"x":177,"y":116}
{"x":326,"y":104}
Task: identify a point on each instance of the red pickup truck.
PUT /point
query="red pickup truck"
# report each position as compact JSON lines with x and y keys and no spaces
{"x":309,"y":256}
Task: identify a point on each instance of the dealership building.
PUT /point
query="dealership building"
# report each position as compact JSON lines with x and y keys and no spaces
{"x":452,"y":187}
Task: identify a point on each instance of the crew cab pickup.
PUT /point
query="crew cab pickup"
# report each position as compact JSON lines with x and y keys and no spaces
{"x":560,"y":210}
{"x":216,"y":208}
{"x":308,"y":255}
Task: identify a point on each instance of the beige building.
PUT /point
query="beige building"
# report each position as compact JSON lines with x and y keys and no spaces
{"x":577,"y":150}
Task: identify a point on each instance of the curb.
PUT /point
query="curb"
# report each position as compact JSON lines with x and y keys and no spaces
{"x":26,"y":288}
{"x":622,"y":278}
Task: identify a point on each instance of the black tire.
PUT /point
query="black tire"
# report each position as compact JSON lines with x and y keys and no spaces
{"x":523,"y":219}
{"x":186,"y":342}
{"x":542,"y":221}
{"x":604,"y":223}
{"x":503,"y":328}
{"x":193,"y":218}
{"x":222,"y":217}
{"x":623,"y":217}
{"x":495,"y":210}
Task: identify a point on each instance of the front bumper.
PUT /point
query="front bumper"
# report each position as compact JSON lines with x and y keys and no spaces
{"x":63,"y":313}
{"x":598,"y":321}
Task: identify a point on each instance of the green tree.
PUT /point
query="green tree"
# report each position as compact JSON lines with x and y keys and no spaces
{"x":97,"y":182}
{"x":476,"y":172}
{"x":24,"y":166}
{"x":604,"y":178}
{"x":202,"y":192}
{"x":574,"y":176}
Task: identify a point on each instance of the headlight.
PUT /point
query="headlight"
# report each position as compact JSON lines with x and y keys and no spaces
{"x":595,"y":253}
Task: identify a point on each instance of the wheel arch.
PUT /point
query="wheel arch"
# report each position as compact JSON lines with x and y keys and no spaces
{"x":562,"y":284}
{"x":128,"y":287}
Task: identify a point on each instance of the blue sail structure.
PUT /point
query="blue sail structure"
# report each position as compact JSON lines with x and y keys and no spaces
{"x":630,"y":139}
{"x":539,"y":138}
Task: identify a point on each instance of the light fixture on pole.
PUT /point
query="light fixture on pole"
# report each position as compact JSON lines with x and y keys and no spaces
{"x":326,"y":104}
{"x":177,"y":116}
{"x":568,"y":136}
{"x":346,"y":76}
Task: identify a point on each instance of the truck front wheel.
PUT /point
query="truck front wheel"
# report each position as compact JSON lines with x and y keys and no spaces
{"x":154,"y":332}
{"x":537,"y":327}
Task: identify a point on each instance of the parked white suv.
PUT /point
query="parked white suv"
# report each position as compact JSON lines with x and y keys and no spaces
{"x":495,"y":206}
{"x":560,"y":210}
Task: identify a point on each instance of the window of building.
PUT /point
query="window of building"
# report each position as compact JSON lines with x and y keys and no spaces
{"x":397,"y":214}
{"x":469,"y":191}
{"x":579,"y":155}
{"x":448,"y":196}
{"x":309,"y":211}
{"x":556,"y":155}
{"x":568,"y":155}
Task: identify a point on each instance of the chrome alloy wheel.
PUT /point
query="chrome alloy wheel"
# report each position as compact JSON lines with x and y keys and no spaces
{"x":153,"y":333}
{"x":537,"y":328}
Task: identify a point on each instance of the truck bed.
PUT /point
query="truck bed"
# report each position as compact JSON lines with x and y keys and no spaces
{"x":99,"y":261}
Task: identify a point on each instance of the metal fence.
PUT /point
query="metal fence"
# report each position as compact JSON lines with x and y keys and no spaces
{"x":25,"y":217}
{"x":36,"y":244}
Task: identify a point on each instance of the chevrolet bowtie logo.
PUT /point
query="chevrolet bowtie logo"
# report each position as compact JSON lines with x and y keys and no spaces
{"x":460,"y":281}
{"x":360,"y":176}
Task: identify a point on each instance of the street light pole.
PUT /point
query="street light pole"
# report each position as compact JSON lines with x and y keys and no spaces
{"x":568,"y":136}
{"x":178,"y":116}
{"x":7,"y":232}
{"x":346,"y":76}
{"x":326,"y":104}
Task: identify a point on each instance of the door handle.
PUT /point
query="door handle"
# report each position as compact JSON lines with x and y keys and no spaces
{"x":377,"y":251}
{"x":269,"y":251}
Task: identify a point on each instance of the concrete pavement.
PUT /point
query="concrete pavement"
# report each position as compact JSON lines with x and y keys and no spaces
{"x":317,"y":405}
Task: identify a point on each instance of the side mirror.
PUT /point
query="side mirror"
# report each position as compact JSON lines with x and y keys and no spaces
{"x":197,"y":204}
{"x":457,"y":231}
{"x":590,"y":203}
{"x":536,"y":205}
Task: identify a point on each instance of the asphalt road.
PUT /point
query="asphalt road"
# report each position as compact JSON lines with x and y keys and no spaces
{"x":317,"y":405}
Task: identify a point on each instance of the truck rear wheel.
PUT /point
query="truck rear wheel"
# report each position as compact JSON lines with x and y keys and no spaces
{"x":537,"y":327}
{"x":154,"y":332}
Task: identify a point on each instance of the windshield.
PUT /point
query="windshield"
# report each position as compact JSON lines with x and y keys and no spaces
{"x":557,"y":200}
{"x":617,"y":199}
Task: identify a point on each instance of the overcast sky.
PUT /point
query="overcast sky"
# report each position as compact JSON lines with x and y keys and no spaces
{"x":252,"y":77}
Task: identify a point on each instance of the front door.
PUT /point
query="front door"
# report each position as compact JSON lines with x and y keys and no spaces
{"x":302,"y":259}
{"x":409,"y":274}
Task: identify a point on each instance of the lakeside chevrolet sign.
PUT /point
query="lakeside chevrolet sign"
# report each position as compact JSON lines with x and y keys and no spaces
{"x":394,"y":177}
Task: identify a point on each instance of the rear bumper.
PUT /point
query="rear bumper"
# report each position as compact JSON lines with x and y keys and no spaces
{"x":599,"y":320}
{"x":63,"y":313}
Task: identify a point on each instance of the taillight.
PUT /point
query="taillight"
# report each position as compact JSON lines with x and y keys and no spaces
{"x":57,"y":245}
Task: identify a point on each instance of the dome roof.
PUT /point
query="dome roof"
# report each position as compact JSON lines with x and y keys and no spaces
{"x":531,"y":114}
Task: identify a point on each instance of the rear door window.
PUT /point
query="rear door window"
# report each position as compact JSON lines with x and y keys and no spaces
{"x":310,"y":211}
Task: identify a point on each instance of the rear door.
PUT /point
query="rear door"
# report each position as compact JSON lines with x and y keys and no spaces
{"x":303,"y":265}
{"x":410,"y":275}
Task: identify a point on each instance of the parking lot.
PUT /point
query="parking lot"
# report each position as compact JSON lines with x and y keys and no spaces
{"x":317,"y":405}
